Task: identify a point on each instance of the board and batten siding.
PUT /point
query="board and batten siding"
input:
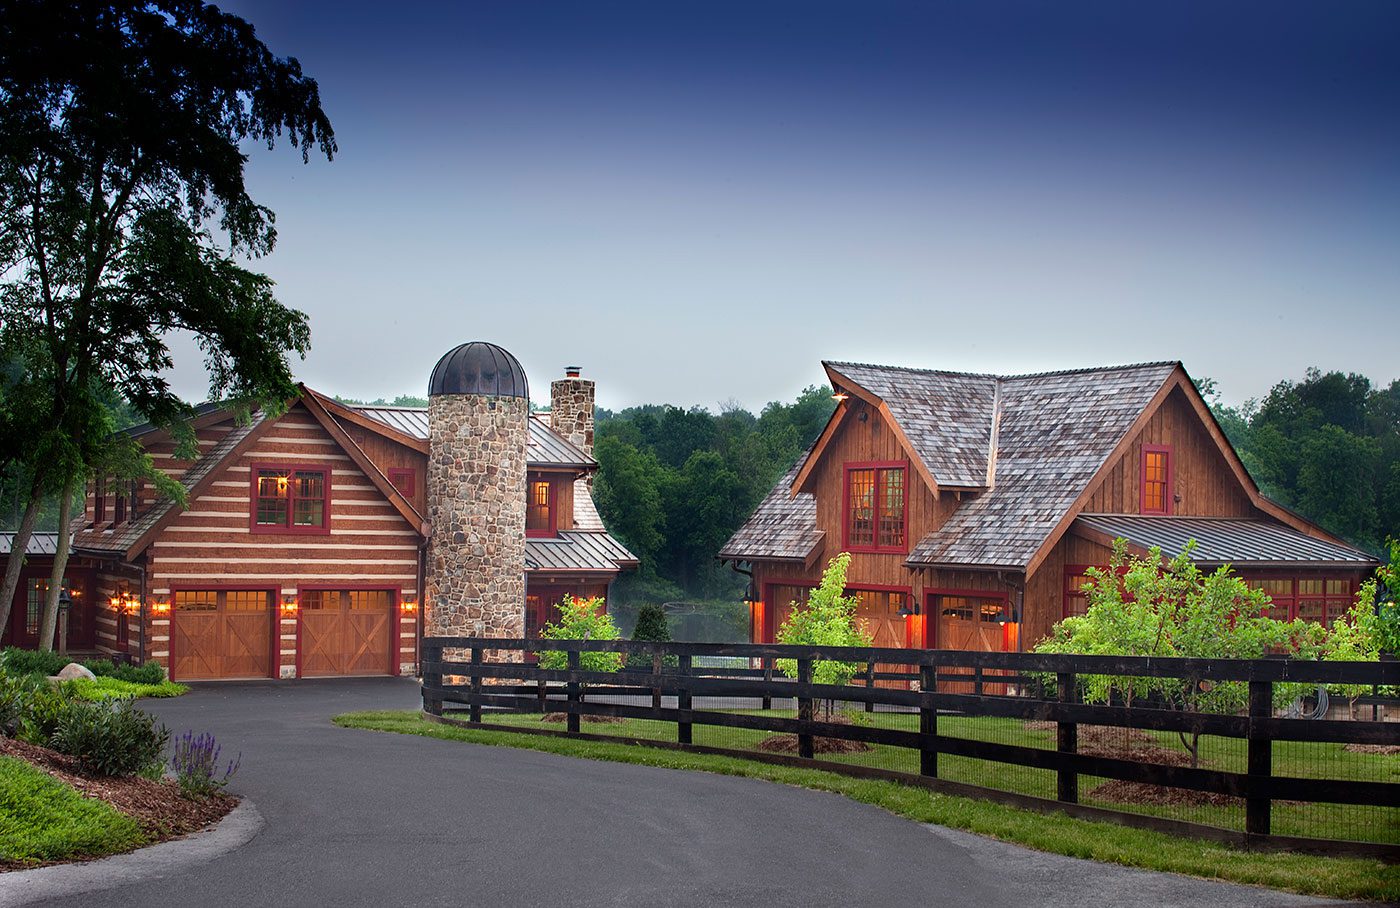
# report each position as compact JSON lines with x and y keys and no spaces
{"x":369,"y":544}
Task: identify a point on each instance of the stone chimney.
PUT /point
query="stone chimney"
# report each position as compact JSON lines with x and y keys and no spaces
{"x":571,"y":408}
{"x":478,"y":427}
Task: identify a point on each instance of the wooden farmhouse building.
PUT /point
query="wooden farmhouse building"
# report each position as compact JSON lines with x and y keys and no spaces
{"x":308,"y":541}
{"x":972,"y":505}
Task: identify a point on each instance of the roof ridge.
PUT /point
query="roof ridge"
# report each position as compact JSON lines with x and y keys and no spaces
{"x":383,"y":407}
{"x":1006,"y":376}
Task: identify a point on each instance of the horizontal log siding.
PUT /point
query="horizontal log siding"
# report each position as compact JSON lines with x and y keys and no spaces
{"x":109,"y":580}
{"x":1203,"y":479}
{"x":369,"y":544}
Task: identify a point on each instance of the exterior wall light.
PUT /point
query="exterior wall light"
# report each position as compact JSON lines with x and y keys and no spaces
{"x":408,"y":606}
{"x":160,"y":606}
{"x":289,"y":606}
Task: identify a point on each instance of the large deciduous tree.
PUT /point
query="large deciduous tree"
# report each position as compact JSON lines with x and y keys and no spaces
{"x":124,"y":218}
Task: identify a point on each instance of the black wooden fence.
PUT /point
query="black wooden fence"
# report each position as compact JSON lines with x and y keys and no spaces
{"x":488,"y":677}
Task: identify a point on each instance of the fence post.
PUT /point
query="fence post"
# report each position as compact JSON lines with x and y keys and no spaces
{"x":573,"y":689}
{"x":977,"y":680}
{"x":656,"y":691}
{"x":1261,"y":757}
{"x":1066,"y":742}
{"x":683,"y":702}
{"x":476,"y":685}
{"x":804,"y":709}
{"x":432,"y":654}
{"x":869,"y":684}
{"x":928,"y":721}
{"x":767,"y":679}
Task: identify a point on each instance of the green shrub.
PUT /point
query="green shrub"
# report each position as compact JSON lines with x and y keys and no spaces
{"x":651,"y":626}
{"x":150,"y":673}
{"x":110,"y":739}
{"x":114,"y":688}
{"x":18,"y":661}
{"x":581,"y":619}
{"x":36,"y":706}
{"x":827,"y":619}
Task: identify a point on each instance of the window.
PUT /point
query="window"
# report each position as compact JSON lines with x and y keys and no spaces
{"x":1156,"y":479}
{"x":876,"y":508}
{"x":290,"y":499}
{"x":403,"y":479}
{"x":539,"y":509}
{"x":1076,"y":594}
{"x":1319,"y":599}
{"x":99,"y":500}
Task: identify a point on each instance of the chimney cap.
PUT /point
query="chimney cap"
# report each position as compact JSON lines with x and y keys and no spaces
{"x":479,"y":368}
{"x":573,"y":371}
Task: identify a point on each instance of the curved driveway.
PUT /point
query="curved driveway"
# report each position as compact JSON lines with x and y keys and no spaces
{"x":366,"y":818}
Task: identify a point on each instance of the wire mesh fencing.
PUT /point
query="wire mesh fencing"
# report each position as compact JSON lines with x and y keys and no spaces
{"x":1213,"y":748}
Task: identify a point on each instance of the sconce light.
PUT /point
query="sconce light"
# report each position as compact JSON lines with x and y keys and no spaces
{"x":838,"y":395}
{"x":408,"y":606}
{"x":160,"y":606}
{"x":289,"y":606}
{"x":904,"y":611}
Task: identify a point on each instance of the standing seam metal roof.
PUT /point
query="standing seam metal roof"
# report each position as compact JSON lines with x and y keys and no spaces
{"x":1226,"y":540}
{"x":545,"y":447}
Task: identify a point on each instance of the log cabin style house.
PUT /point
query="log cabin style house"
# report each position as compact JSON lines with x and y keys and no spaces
{"x":306,"y":545}
{"x":972,"y":505}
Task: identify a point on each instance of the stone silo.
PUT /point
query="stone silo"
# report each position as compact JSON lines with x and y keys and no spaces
{"x":478,"y":427}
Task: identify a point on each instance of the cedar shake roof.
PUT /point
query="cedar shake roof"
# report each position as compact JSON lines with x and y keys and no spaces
{"x":1055,"y":431}
{"x":1050,"y":433}
{"x":782,"y":528}
{"x":947,"y":416}
{"x":1227,"y":540}
{"x":545,"y":448}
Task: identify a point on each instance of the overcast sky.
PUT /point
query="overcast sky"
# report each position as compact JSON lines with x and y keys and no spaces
{"x":699,"y":202}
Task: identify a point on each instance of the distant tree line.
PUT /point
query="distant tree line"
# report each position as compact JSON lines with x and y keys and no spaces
{"x":1327,"y":447}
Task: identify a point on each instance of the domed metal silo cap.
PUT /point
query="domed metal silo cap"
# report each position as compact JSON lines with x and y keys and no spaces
{"x":479,"y":368}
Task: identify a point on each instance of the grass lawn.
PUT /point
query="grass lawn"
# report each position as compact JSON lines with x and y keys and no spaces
{"x":42,"y":819}
{"x":110,"y":688}
{"x":1057,"y":833}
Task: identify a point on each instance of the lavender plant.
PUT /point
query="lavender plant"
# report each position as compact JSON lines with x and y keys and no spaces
{"x":195,"y":761}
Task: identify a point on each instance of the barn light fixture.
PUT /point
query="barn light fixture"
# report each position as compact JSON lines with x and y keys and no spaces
{"x":838,"y":395}
{"x":409,"y":606}
{"x":905,"y":612}
{"x":289,"y":605}
{"x":160,"y":606}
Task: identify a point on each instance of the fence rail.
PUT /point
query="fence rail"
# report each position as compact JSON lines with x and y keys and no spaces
{"x":491,"y":678}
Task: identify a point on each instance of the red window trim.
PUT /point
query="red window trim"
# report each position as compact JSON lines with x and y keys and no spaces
{"x":876,"y":465}
{"x":288,"y":529}
{"x":1168,"y":498}
{"x":553,"y":529}
{"x":405,"y":479}
{"x":1294,"y":599}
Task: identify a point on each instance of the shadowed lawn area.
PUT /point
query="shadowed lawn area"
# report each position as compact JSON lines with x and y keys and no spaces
{"x":1291,"y":758}
{"x":42,"y":819}
{"x":1056,"y":833}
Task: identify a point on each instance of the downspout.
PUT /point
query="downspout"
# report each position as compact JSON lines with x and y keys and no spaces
{"x":422,"y":606}
{"x":141,"y":642}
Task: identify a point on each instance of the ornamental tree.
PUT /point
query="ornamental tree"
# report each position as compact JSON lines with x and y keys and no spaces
{"x":1151,"y":607}
{"x":827,"y":619}
{"x":124,"y":218}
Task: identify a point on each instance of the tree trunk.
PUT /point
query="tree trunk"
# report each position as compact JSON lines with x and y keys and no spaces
{"x":18,"y":544}
{"x":1193,"y":746}
{"x":60,"y":567}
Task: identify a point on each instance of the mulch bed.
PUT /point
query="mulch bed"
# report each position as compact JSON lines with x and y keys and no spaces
{"x":1384,"y":750}
{"x":158,"y":806}
{"x":1140,"y":747}
{"x":787,"y":744}
{"x":585,"y":718}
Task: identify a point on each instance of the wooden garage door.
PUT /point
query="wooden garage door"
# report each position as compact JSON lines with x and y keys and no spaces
{"x":221,"y":634}
{"x":970,"y":623}
{"x":346,"y":632}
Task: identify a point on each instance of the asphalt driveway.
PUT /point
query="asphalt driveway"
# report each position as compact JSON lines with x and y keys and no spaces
{"x":365,"y":818}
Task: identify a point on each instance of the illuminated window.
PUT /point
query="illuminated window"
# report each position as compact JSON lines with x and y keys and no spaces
{"x":1156,"y":480}
{"x":293,"y":499}
{"x":876,"y":508}
{"x":539,"y":509}
{"x":1318,"y":599}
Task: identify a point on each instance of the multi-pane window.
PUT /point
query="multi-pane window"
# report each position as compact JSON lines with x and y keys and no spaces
{"x":1156,"y":480}
{"x":291,"y":498}
{"x":231,"y":600}
{"x":99,"y":499}
{"x":1319,"y":599}
{"x":353,"y":600}
{"x":876,"y":512}
{"x":1076,"y":592}
{"x":539,"y":509}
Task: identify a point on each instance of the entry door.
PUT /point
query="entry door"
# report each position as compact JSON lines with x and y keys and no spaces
{"x":970,"y":623}
{"x":346,"y":632}
{"x":221,"y":634}
{"x":27,"y":612}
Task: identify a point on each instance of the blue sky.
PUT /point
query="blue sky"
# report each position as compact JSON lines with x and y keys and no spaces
{"x":699,"y":201}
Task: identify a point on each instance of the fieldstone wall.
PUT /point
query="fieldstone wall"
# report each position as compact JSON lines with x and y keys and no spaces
{"x":475,"y":577}
{"x":571,"y":411}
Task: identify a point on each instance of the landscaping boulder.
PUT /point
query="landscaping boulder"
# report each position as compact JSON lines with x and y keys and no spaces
{"x":74,"y":670}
